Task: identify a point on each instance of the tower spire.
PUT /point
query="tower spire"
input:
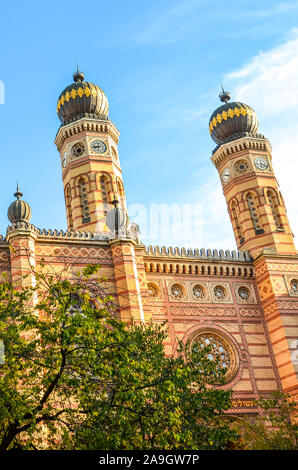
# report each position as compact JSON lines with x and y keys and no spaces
{"x":18,"y":193}
{"x":224,"y":96}
{"x":78,"y":76}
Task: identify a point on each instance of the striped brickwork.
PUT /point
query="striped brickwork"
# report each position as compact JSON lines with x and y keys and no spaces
{"x":259,"y":228}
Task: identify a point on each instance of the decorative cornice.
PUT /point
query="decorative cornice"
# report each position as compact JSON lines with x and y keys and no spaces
{"x":129,"y":233}
{"x":243,"y":142}
{"x":83,"y":124}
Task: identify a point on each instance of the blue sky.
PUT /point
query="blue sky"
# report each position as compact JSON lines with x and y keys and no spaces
{"x":159,"y":63}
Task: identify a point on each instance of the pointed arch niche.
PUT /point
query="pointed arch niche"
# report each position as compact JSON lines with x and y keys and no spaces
{"x":252,"y":206}
{"x":236,"y":222}
{"x":105,"y":184}
{"x":83,"y":193}
{"x":273,"y":202}
{"x":68,"y":207}
{"x":120,"y":193}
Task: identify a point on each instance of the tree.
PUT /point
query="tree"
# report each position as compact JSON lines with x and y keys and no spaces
{"x":276,"y":428}
{"x":75,"y":377}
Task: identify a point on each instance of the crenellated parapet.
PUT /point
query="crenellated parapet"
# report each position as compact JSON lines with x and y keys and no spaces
{"x":199,"y":262}
{"x":86,"y":124}
{"x":21,"y":226}
{"x":131,"y":233}
{"x":202,"y":254}
{"x":244,"y":143}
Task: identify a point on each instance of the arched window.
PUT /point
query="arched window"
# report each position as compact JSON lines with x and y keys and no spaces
{"x":84,"y":201}
{"x":254,"y":212}
{"x":273,"y":202}
{"x":235,"y":219}
{"x":120,"y":192}
{"x":104,"y":193}
{"x":68,"y":207}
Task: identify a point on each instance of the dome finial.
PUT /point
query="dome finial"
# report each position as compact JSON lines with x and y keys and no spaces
{"x":19,"y":210}
{"x":224,"y":96}
{"x":18,"y":193}
{"x":78,"y":76}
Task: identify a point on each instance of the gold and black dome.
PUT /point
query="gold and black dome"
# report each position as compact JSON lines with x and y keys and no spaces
{"x":82,"y":99}
{"x":232,"y":120}
{"x":19,"y":211}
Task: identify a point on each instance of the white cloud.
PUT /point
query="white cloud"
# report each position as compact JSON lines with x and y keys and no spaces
{"x":269,"y":80}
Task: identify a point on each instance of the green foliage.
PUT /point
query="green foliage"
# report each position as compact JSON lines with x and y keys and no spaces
{"x":276,"y":428}
{"x":75,"y":377}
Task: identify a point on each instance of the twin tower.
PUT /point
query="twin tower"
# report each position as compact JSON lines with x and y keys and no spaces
{"x":88,"y":144}
{"x":239,"y":299}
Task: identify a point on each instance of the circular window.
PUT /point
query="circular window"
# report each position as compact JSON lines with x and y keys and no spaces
{"x":198,"y":291}
{"x":241,"y":166}
{"x":78,"y":149}
{"x":152,"y":290}
{"x":294,"y":286}
{"x":219,"y":292}
{"x":243,"y":293}
{"x":177,"y":291}
{"x":220,"y":350}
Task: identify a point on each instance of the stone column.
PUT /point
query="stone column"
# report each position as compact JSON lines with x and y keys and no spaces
{"x":21,"y":237}
{"x":273,"y":275}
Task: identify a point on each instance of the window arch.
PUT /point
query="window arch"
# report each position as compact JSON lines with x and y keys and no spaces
{"x":120,"y":192}
{"x":251,"y":202}
{"x":105,"y":192}
{"x":68,"y":207}
{"x":273,"y":202}
{"x":84,"y":200}
{"x":235,"y":219}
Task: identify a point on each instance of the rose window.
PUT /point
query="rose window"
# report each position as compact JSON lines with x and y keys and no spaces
{"x":219,"y":292}
{"x":294,"y":286}
{"x":152,"y":290}
{"x":243,"y":293}
{"x":177,"y":291}
{"x":220,"y":351}
{"x":198,"y":292}
{"x":78,"y":149}
{"x":241,"y":166}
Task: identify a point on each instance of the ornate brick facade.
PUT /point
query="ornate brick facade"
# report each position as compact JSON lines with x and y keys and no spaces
{"x":246,"y":302}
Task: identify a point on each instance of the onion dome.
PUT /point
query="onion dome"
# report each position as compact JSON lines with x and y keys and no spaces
{"x":82,"y":99}
{"x":117,"y":218}
{"x":232,"y":120}
{"x":19,"y":211}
